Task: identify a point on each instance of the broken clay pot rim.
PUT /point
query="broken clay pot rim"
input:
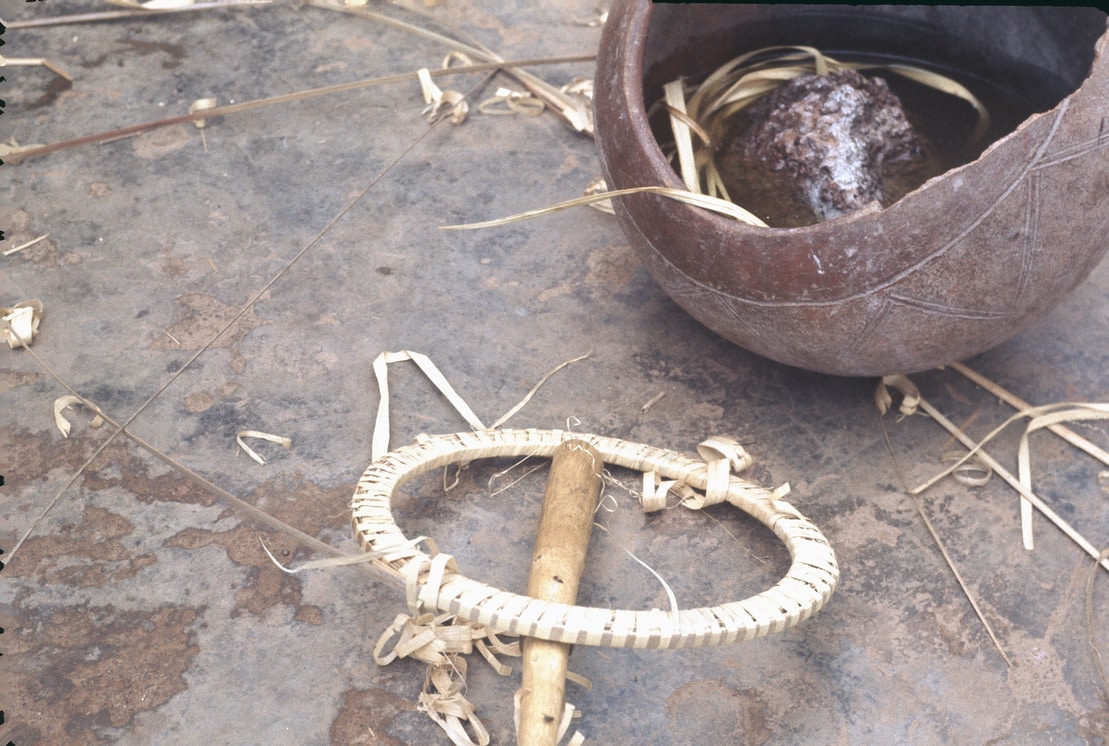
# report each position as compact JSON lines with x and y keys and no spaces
{"x":815,"y":254}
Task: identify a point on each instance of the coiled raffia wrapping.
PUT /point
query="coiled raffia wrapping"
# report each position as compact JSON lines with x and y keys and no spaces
{"x":433,"y":582}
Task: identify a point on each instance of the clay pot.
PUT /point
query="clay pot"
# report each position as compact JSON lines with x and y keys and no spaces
{"x":953,"y":268}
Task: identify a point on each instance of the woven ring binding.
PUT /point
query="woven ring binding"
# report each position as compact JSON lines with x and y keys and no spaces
{"x":433,"y":581}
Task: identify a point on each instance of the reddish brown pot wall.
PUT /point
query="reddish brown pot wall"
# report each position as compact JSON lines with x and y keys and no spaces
{"x":952,"y":269}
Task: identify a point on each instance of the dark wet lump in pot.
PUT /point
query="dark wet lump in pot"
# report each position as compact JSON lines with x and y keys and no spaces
{"x":832,"y":134}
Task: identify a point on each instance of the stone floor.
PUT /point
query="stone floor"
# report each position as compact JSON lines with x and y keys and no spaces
{"x":245,"y":277}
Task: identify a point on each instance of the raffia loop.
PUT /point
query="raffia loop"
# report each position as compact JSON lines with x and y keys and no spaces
{"x":433,"y":583}
{"x":656,"y":490}
{"x":910,"y":393}
{"x":423,"y":579}
{"x":441,"y":103}
{"x":470,"y":612}
{"x":21,"y":322}
{"x":70,"y":400}
{"x":723,"y":457}
{"x":506,"y":102}
{"x":971,"y":473}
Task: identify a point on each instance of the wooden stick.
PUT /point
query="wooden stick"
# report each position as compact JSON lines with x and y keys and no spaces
{"x":556,"y":566}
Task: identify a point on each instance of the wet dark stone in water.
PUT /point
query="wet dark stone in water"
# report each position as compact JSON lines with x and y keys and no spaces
{"x":832,"y":134}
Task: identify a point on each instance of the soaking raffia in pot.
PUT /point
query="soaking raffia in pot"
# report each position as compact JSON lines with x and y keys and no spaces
{"x":955,"y":266}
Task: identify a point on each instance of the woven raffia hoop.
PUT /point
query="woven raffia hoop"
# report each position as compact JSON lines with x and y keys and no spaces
{"x":433,"y":582}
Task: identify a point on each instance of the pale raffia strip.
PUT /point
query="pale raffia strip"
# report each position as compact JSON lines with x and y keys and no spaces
{"x":975,"y":449}
{"x":683,"y":140}
{"x":1016,"y":402}
{"x":444,"y":703}
{"x":380,"y":444}
{"x":437,"y":641}
{"x":279,"y":439}
{"x":70,"y":400}
{"x":435,"y":584}
{"x":1091,"y":622}
{"x":21,"y":322}
{"x":704,"y":201}
{"x":1041,"y":417}
{"x":1063,"y":432}
{"x":909,"y":405}
{"x":26,"y":245}
{"x":674,"y":608}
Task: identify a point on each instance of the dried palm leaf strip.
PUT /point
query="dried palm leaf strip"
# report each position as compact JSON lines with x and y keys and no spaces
{"x":20,"y":153}
{"x":704,"y":201}
{"x":909,"y":404}
{"x":572,"y":109}
{"x":433,"y":582}
{"x":1021,"y":405}
{"x":976,"y":449}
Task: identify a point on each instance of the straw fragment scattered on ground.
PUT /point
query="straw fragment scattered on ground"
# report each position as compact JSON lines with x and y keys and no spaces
{"x":1050,"y":417}
{"x":279,"y":439}
{"x":36,"y":61}
{"x":69,"y":400}
{"x":569,"y":107}
{"x":21,"y":322}
{"x":14,"y":153}
{"x":911,"y":394}
{"x":25,"y":245}
{"x":506,"y":102}
{"x":449,"y":103}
